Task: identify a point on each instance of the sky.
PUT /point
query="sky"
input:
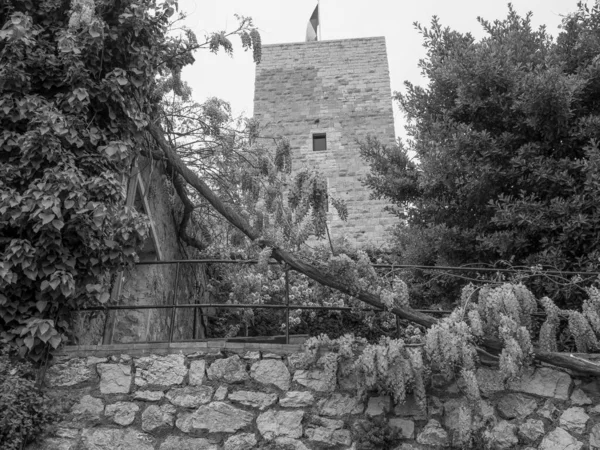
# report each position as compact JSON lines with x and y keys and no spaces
{"x":281,"y":21}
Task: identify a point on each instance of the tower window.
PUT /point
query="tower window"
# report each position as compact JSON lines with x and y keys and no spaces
{"x":319,"y":142}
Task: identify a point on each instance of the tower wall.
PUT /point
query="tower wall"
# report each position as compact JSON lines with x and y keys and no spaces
{"x":341,"y":88}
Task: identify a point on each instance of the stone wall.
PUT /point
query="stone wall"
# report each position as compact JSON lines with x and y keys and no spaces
{"x":341,"y":88}
{"x":151,"y":284}
{"x":265,"y":396}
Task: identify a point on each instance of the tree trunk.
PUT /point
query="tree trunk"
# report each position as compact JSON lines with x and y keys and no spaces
{"x":494,"y":346}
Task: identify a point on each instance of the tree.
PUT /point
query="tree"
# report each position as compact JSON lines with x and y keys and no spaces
{"x":504,"y":138}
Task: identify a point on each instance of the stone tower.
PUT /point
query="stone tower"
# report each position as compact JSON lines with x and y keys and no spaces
{"x":324,"y":96}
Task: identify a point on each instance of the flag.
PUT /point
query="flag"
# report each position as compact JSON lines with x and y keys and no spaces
{"x":313,"y":24}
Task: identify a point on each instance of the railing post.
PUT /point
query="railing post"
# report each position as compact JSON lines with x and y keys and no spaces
{"x":287,"y":304}
{"x":173,"y":309}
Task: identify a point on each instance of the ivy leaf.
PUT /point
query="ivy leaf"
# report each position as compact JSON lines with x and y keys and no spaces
{"x":41,"y":305}
{"x":29,"y":340}
{"x":104,"y":297}
{"x":47,"y":217}
{"x":58,"y":224}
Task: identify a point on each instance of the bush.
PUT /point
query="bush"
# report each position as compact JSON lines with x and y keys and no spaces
{"x":25,"y":411}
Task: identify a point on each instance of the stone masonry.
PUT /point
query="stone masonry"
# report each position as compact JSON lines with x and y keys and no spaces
{"x":228,"y":399}
{"x":340,"y":88}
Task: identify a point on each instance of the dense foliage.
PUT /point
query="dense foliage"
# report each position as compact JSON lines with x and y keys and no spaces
{"x":503,"y":161}
{"x":79,"y":83}
{"x":24,"y":411}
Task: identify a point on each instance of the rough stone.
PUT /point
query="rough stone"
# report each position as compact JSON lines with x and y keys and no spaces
{"x":240,"y":441}
{"x":410,"y":408}
{"x":435,"y":407}
{"x":89,"y":408}
{"x":559,"y":439}
{"x":531,"y":430}
{"x":300,"y":361}
{"x":220,"y":394}
{"x":489,"y":381}
{"x":333,"y":424}
{"x":297,"y":399}
{"x":190,"y":396}
{"x":286,"y":443}
{"x":518,"y":406}
{"x":219,"y":417}
{"x":595,"y":436}
{"x":228,"y":370}
{"x":149,"y":396}
{"x":115,"y":439}
{"x":187,"y":443}
{"x":433,"y":434}
{"x":251,"y":356}
{"x":574,"y":419}
{"x":406,"y":427}
{"x":255,"y":399}
{"x":329,"y":437}
{"x":594,"y":410}
{"x":544,"y":382}
{"x":548,"y":410}
{"x":580,"y":398}
{"x":197,"y":372}
{"x":95,"y":360}
{"x":347,"y":376}
{"x":165,"y":370}
{"x":378,"y":406}
{"x":155,"y":417}
{"x":323,"y":378}
{"x":271,"y":371}
{"x":272,"y":424}
{"x":502,"y":436}
{"x":340,"y":405}
{"x":69,"y":373}
{"x":271,"y":356}
{"x":122,"y":413}
{"x":114,"y":378}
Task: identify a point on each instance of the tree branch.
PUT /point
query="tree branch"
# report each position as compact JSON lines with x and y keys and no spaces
{"x":317,"y":274}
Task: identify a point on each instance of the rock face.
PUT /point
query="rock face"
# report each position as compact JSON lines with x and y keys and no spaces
{"x":559,"y":439}
{"x":88,"y":409}
{"x":329,"y":437}
{"x":114,"y":378}
{"x":531,"y":430}
{"x":186,"y":443}
{"x":149,"y":396}
{"x":258,"y":400}
{"x":502,"y":436}
{"x":340,"y":405}
{"x":241,"y":441}
{"x":410,"y":408}
{"x":272,"y":424}
{"x":489,"y":381}
{"x":115,"y":439}
{"x":122,"y":413}
{"x":595,"y":436}
{"x":190,"y":396}
{"x":70,"y":373}
{"x":404,"y":426}
{"x":433,"y":434}
{"x":378,"y":406}
{"x":197,"y":372}
{"x":544,"y":382}
{"x":322,"y":379}
{"x":271,"y":371}
{"x":297,"y":399}
{"x":166,"y":370}
{"x":516,"y":405}
{"x":580,"y":398}
{"x":228,"y":370}
{"x":156,"y":417}
{"x":574,"y":419}
{"x":219,"y":417}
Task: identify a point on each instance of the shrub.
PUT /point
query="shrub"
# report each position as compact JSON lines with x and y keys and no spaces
{"x":25,"y":411}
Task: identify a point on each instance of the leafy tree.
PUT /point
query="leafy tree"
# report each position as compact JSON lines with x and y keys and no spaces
{"x":505,"y":159}
{"x":79,"y":82}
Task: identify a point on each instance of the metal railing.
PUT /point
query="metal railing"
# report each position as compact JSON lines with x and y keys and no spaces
{"x":174,"y":306}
